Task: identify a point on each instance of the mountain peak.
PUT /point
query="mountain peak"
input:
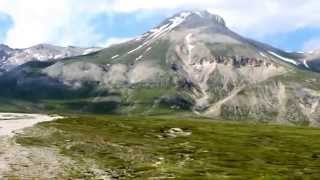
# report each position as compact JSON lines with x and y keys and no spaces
{"x":200,"y":17}
{"x":188,"y":20}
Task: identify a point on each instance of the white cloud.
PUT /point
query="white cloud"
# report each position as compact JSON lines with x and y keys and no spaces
{"x":113,"y":41}
{"x":59,"y":22}
{"x":67,"y":22}
{"x":312,"y":44}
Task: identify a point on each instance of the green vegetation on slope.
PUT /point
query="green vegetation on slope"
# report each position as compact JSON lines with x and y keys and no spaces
{"x":142,"y":147}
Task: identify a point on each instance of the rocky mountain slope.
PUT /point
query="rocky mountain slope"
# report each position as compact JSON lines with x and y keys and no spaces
{"x":192,"y":62}
{"x":11,"y":58}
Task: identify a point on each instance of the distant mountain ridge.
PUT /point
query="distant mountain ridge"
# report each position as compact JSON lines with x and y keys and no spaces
{"x":11,"y":58}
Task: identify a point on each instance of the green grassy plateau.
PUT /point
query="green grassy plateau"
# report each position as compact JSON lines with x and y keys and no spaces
{"x":143,"y":148}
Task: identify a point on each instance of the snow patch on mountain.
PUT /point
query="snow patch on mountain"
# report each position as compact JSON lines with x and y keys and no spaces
{"x":90,"y":50}
{"x":262,"y":54}
{"x":199,"y":13}
{"x":158,"y":32}
{"x":305,"y":63}
{"x":139,"y":58}
{"x":173,"y":23}
{"x":148,"y":49}
{"x":291,"y":61}
{"x":133,"y":50}
{"x":115,"y":56}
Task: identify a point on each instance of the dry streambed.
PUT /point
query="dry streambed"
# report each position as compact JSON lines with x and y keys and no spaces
{"x":13,"y":122}
{"x":22,"y":162}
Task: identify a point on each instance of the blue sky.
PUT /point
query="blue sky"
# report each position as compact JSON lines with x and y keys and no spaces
{"x":292,"y":25}
{"x":124,"y":25}
{"x":6,"y":24}
{"x":296,"y":40}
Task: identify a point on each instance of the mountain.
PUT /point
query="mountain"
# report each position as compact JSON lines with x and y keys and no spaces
{"x":11,"y":58}
{"x":192,"y":63}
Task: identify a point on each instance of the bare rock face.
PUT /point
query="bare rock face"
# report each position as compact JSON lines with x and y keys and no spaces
{"x":177,"y":132}
{"x":193,"y":61}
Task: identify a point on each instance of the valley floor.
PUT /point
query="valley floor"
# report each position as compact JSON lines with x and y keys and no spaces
{"x":114,"y":147}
